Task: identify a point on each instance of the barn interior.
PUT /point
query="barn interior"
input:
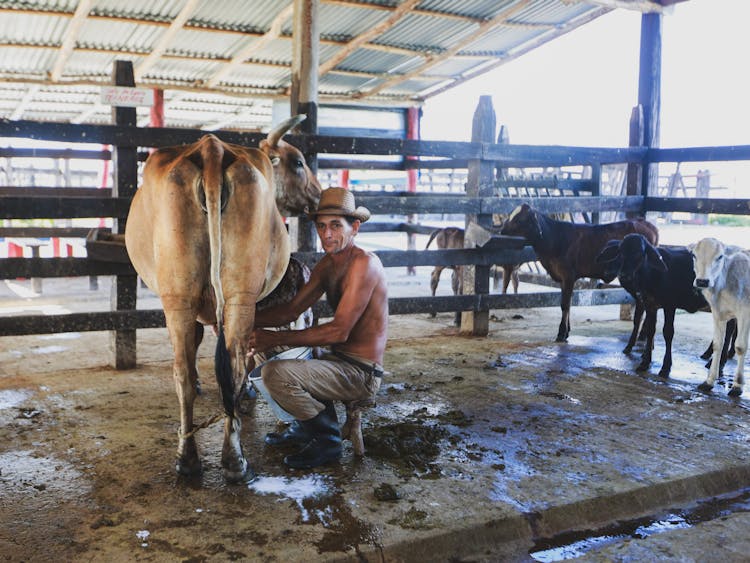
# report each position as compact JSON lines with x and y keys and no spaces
{"x":505,"y":447}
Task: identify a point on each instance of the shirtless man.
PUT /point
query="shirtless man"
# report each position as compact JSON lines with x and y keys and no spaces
{"x":354,"y":283}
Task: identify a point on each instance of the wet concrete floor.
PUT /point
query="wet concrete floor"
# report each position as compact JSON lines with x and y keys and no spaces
{"x":479,"y":449}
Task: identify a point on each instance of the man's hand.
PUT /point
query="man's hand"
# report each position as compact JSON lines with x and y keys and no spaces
{"x":261,"y":340}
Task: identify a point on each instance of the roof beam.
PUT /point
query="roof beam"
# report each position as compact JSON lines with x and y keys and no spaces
{"x":238,"y":115}
{"x":432,"y":61}
{"x":25,"y":101}
{"x":418,"y":11}
{"x":399,"y":12}
{"x":645,"y":6}
{"x":71,"y":36}
{"x":161,"y":45}
{"x":246,"y":52}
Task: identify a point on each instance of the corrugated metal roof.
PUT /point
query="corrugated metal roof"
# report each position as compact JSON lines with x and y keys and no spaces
{"x":54,"y":59}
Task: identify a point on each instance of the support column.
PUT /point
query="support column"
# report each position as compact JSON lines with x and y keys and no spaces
{"x":305,"y":62}
{"x":649,"y":93}
{"x":125,"y":163}
{"x":476,"y":279}
{"x":157,"y":110}
{"x":413,"y":115}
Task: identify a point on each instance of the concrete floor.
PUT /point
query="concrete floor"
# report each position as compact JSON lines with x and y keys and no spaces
{"x":504,"y":448}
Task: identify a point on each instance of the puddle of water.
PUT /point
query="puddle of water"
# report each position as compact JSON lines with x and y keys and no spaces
{"x":10,"y":398}
{"x":401,"y":409}
{"x":310,"y":486}
{"x":320,"y":502}
{"x":60,"y":336}
{"x":576,"y":544}
{"x":26,"y":473}
{"x":48,"y":349}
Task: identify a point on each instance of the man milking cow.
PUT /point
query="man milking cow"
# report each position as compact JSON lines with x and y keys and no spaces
{"x":354,"y":283}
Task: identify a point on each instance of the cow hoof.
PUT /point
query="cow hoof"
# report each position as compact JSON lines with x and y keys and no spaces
{"x":664,"y":373}
{"x":188,"y":467}
{"x":561,"y":338}
{"x":642,"y":367}
{"x":705,"y":387}
{"x":241,"y":474}
{"x":735,"y":391}
{"x":627,"y":349}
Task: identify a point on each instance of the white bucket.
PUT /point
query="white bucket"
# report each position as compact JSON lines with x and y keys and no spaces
{"x":254,"y":379}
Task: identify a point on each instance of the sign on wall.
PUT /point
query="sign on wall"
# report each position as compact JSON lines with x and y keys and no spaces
{"x":124,"y":96}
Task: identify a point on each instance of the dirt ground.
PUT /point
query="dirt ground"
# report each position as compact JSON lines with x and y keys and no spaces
{"x":478,"y":449}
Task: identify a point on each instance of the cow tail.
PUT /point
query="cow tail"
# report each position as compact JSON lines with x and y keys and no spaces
{"x":223,"y":369}
{"x":432,"y":237}
{"x":213,"y":180}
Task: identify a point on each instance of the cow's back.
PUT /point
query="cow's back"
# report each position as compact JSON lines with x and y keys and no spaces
{"x":587,"y":241}
{"x":733,"y":288}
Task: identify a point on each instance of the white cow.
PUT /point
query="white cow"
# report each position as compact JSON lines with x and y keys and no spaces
{"x":723,"y":276}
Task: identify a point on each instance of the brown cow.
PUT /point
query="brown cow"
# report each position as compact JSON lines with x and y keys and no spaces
{"x":206,"y":235}
{"x":568,"y":251}
{"x":453,"y":237}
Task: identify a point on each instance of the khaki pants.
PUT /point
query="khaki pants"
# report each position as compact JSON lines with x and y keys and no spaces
{"x":299,"y":386}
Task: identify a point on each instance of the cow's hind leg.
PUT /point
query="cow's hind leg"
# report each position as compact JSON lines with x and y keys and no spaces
{"x":183,"y":334}
{"x":228,"y":364}
{"x":434,"y":280}
{"x":743,"y":328}
{"x":457,"y":286}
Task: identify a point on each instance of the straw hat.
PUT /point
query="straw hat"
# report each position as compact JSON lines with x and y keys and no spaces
{"x":340,"y":201}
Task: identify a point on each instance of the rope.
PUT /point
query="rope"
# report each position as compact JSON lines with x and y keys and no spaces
{"x":201,"y":426}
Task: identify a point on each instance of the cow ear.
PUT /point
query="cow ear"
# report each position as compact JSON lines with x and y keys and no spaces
{"x":609,"y":253}
{"x":655,"y":259}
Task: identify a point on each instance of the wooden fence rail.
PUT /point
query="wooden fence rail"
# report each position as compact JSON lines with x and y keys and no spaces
{"x":481,"y":157}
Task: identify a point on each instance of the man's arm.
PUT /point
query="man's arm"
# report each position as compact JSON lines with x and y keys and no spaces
{"x":280,"y":315}
{"x":357,"y":287}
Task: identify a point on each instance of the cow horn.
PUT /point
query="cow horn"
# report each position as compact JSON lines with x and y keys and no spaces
{"x":278,"y":132}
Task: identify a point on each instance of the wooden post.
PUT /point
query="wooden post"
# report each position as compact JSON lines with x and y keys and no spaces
{"x":503,"y":138}
{"x":634,"y":174}
{"x":125,"y":162}
{"x":633,"y":181}
{"x":476,"y":279}
{"x":156,"y":113}
{"x":304,"y":99}
{"x":649,"y":93}
{"x":412,"y":132}
{"x":596,"y":178}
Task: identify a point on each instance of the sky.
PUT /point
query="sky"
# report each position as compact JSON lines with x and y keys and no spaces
{"x":579,"y":89}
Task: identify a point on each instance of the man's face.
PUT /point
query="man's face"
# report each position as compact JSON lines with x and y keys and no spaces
{"x":335,"y":232}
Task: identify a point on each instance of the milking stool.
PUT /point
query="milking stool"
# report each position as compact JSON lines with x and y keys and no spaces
{"x":352,"y":429}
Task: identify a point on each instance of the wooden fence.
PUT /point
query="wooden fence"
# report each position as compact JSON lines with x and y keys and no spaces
{"x":481,"y":157}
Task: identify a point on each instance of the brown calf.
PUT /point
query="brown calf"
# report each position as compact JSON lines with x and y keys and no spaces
{"x":568,"y":250}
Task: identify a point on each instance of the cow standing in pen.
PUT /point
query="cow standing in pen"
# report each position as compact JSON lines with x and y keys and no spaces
{"x":663,"y":279}
{"x":568,"y":250}
{"x":723,"y":277}
{"x":205,"y":233}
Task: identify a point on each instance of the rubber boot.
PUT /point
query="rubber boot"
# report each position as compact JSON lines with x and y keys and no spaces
{"x":295,"y":434}
{"x":325,"y":445}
